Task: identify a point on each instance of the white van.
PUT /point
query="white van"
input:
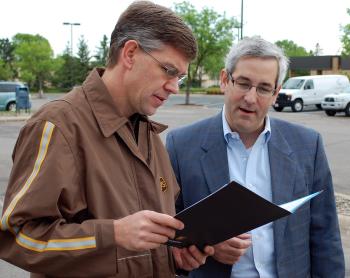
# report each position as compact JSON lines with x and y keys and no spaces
{"x":308,"y":90}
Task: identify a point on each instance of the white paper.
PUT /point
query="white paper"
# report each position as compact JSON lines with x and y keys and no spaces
{"x":294,"y":205}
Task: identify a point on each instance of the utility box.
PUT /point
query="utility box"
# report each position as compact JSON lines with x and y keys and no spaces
{"x":22,"y":98}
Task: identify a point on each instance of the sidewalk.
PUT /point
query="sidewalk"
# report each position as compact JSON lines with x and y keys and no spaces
{"x":15,"y":118}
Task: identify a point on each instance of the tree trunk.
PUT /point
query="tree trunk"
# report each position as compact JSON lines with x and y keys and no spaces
{"x":187,"y":102}
{"x":200,"y":75}
{"x":188,"y":85}
{"x":41,"y":92}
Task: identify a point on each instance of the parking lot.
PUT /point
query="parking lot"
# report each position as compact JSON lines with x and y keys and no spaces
{"x":334,"y":130}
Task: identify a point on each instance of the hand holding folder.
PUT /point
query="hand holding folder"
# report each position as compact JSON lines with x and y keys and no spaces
{"x":228,"y":212}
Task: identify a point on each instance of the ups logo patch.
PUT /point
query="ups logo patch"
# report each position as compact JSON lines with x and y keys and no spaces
{"x":163,"y":184}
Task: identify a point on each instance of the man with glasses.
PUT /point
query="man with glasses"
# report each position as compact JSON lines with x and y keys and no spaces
{"x":279,"y":161}
{"x":92,"y":191}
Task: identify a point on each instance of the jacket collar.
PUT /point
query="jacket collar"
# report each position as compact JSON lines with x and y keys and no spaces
{"x":105,"y":111}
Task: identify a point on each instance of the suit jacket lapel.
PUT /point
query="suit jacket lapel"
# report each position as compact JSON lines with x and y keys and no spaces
{"x":283,"y":173}
{"x":214,"y":159}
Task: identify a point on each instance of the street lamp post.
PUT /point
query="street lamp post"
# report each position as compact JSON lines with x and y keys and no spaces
{"x":241,"y":19}
{"x":71,"y":34}
{"x":238,"y":27}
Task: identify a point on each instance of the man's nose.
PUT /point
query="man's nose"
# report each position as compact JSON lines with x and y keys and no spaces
{"x":172,"y":86}
{"x":251,"y":95}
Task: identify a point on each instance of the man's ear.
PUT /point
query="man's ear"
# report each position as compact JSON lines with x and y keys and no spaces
{"x":127,"y":54}
{"x":223,"y":80}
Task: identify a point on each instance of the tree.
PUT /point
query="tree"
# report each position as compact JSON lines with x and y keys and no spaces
{"x":102,"y":53}
{"x":83,"y":65}
{"x":66,"y":72}
{"x":318,"y":50}
{"x":291,"y":49}
{"x":345,"y":39}
{"x":33,"y":55}
{"x":7,"y":69}
{"x":214,"y":34}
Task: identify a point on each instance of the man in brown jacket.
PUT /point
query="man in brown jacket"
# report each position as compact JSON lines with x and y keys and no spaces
{"x":92,"y":190}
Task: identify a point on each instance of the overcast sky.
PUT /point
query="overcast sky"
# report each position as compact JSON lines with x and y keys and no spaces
{"x":306,"y":22}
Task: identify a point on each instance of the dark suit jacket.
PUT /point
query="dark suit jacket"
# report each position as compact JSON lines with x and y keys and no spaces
{"x":307,"y":243}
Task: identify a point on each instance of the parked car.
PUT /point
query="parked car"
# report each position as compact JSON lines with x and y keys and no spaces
{"x":8,"y":94}
{"x":299,"y":91}
{"x":338,"y":102}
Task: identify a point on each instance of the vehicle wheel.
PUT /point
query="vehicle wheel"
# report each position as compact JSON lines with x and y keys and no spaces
{"x":11,"y":106}
{"x":330,"y":112}
{"x":347,"y":110}
{"x":319,"y":106}
{"x":297,"y":105}
{"x":278,"y":109}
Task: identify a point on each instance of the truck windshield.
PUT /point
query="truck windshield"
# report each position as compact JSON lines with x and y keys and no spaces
{"x":347,"y":90}
{"x":293,"y":83}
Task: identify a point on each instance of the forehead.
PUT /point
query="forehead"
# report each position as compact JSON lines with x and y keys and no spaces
{"x":257,"y":69}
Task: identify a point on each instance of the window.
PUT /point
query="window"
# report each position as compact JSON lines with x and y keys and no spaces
{"x":309,"y":84}
{"x":9,"y":87}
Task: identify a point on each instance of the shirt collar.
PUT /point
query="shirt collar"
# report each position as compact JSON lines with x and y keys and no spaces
{"x":105,"y":111}
{"x":234,"y":135}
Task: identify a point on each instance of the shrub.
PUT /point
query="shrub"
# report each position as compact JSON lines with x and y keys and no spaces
{"x":213,"y":91}
{"x":193,"y":90}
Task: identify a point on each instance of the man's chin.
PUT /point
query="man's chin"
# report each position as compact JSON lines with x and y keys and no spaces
{"x":150,"y":112}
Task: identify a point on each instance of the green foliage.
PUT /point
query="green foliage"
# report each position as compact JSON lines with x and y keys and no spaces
{"x":5,"y":71}
{"x":345,"y":39}
{"x":66,"y":74}
{"x":33,"y":58}
{"x":291,"y":49}
{"x":7,"y":58}
{"x":194,"y":90}
{"x":214,"y":34}
{"x":102,"y":53}
{"x":214,"y":91}
{"x":83,"y":63}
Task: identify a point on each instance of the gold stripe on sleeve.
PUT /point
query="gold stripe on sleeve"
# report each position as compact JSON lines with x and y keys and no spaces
{"x":26,"y":241}
{"x":44,"y":143}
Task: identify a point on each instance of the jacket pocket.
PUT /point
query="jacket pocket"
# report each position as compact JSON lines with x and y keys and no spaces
{"x":134,"y":264}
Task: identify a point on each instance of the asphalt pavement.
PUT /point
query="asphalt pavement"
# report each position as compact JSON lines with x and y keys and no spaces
{"x":334,"y":130}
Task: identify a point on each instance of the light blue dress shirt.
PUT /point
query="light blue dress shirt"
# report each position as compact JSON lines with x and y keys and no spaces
{"x":251,"y":168}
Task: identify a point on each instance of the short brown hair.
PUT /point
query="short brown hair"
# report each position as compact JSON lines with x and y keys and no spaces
{"x":152,"y":26}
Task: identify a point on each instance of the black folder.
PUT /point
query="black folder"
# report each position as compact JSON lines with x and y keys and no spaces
{"x":226,"y":213}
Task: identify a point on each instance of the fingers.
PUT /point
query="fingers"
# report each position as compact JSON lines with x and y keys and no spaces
{"x":239,"y":243}
{"x":165,"y":220}
{"x":177,"y":257}
{"x":191,"y":258}
{"x":229,"y":251}
{"x":209,"y":250}
{"x":145,"y":230}
{"x":197,"y":255}
{"x":245,"y":236}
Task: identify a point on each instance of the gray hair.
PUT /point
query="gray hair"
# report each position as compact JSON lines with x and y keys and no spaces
{"x":257,"y":47}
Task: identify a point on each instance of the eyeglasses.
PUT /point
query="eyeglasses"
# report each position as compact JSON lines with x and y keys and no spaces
{"x":170,"y":71}
{"x":245,"y":86}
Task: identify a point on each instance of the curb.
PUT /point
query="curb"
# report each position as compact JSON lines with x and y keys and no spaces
{"x":14,"y":118}
{"x":344,"y":223}
{"x":342,"y":195}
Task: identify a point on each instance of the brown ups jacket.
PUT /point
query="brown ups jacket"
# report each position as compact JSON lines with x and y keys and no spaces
{"x":76,"y":168}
